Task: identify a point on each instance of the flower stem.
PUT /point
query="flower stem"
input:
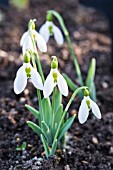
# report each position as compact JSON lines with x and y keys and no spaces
{"x":66,"y":109}
{"x":66,"y":33}
{"x":37,"y":57}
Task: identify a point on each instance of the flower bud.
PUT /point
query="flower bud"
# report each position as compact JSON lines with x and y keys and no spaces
{"x":54,"y":63}
{"x":49,"y":17}
{"x":27,"y":57}
{"x":86,"y":93}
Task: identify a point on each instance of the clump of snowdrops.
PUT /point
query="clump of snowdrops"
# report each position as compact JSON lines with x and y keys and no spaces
{"x":53,"y":119}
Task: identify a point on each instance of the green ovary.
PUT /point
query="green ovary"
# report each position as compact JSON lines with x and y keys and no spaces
{"x":28,"y":72}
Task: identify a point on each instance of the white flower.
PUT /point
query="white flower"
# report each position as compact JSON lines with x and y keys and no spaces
{"x":26,"y":41}
{"x":55,"y":78}
{"x":27,"y":71}
{"x":85,"y":107}
{"x":49,"y":29}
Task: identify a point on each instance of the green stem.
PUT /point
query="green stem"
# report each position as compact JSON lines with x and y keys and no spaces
{"x":66,"y":109}
{"x":37,"y":57}
{"x":66,"y":33}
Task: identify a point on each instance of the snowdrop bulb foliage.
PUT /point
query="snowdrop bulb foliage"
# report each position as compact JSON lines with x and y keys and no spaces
{"x":86,"y":105}
{"x":26,"y":40}
{"x":24,"y":72}
{"x":55,"y":78}
{"x":48,"y":29}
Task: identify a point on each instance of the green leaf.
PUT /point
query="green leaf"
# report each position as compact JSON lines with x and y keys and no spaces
{"x":35,"y":127}
{"x":33,"y":111}
{"x":47,"y":111}
{"x":46,"y":147}
{"x":58,"y":100}
{"x":90,"y":79}
{"x":66,"y":126}
{"x":70,"y":83}
{"x":54,"y":146}
{"x":58,"y":114}
{"x":46,"y":131}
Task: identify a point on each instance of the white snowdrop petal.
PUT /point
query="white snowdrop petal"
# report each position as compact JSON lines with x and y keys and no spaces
{"x":24,"y":36}
{"x":44,"y":31}
{"x":48,"y":85}
{"x":20,"y":81}
{"x":83,"y":112}
{"x":95,"y":109}
{"x":41,"y":43}
{"x":27,"y":45}
{"x":62,"y":85}
{"x":36,"y":79}
{"x":58,"y":35}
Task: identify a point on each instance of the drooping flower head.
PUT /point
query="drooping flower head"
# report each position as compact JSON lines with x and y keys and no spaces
{"x":86,"y":105}
{"x":27,"y":42}
{"x":55,"y":78}
{"x":24,"y":72}
{"x":50,"y":29}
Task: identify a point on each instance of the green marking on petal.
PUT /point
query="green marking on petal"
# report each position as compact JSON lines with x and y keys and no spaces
{"x":88,"y":103}
{"x":55,"y":76}
{"x":50,"y":30}
{"x":28,"y":72}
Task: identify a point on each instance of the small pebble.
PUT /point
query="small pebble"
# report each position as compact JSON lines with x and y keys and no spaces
{"x":111,"y":150}
{"x":66,"y":167}
{"x":94,"y":140}
{"x":105,"y":85}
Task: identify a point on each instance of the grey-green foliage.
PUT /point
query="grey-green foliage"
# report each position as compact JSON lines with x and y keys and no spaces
{"x":49,"y":122}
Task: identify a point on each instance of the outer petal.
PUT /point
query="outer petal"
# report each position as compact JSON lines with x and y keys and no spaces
{"x":83,"y":112}
{"x":58,"y":35}
{"x":27,"y":44}
{"x":20,"y":81}
{"x":95,"y":109}
{"x":41,"y":43}
{"x":24,"y":36}
{"x":62,"y":85}
{"x":48,"y":85}
{"x":44,"y":31}
{"x":36,"y":79}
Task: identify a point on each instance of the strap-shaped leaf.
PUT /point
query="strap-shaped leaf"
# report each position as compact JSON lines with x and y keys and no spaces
{"x":35,"y":127}
{"x":90,"y":79}
{"x":54,"y":146}
{"x":45,"y":144}
{"x":47,"y":111}
{"x":58,"y":114}
{"x":58,"y":100}
{"x":46,"y":132}
{"x":33,"y":111}
{"x":66,"y":126}
{"x":70,"y":83}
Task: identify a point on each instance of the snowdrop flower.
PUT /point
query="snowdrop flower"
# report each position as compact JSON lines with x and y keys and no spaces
{"x":24,"y":72}
{"x":55,"y":78}
{"x":26,"y":41}
{"x":48,"y":29}
{"x":85,"y":107}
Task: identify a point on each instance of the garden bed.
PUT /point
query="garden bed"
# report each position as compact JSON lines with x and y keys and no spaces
{"x":89,"y":146}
